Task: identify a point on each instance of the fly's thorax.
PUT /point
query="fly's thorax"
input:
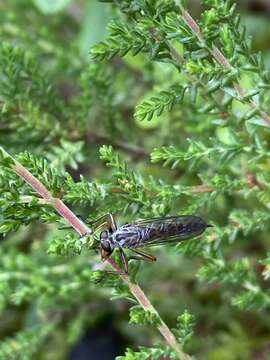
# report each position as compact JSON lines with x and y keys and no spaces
{"x":127,"y":236}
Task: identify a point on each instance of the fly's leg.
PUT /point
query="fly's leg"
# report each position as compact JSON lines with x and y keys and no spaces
{"x":111,"y":226}
{"x":124,"y":263}
{"x":100,"y":226}
{"x":124,"y":260}
{"x":110,"y":221}
{"x":110,"y":272}
{"x":142,"y":256}
{"x":123,"y":271}
{"x":96,"y":229}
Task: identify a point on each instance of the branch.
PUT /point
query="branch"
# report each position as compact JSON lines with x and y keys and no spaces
{"x":178,"y":58}
{"x":56,"y":203}
{"x":201,"y":189}
{"x":221,"y":59}
{"x":135,"y":151}
{"x":83,"y":229}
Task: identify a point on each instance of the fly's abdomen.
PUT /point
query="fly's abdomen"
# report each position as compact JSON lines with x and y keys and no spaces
{"x":190,"y":227}
{"x":161,"y":230}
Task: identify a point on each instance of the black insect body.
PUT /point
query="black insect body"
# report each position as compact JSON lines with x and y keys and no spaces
{"x":149,"y":232}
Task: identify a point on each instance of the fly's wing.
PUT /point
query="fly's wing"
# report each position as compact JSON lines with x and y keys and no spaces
{"x":188,"y":226}
{"x":160,"y":220}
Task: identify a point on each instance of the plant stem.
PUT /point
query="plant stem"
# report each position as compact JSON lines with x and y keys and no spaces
{"x":58,"y":204}
{"x":83,"y":229}
{"x":221,"y":59}
{"x":133,"y":150}
{"x":201,"y":189}
{"x":163,"y":328}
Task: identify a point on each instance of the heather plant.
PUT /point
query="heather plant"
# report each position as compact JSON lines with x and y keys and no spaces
{"x":168,"y":115}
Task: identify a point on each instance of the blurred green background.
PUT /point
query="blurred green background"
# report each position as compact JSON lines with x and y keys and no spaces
{"x":60,"y":33}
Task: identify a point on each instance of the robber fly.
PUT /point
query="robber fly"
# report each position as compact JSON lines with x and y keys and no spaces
{"x":145,"y":233}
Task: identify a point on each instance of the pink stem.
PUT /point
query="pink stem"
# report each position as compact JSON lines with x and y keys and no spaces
{"x":217,"y":54}
{"x":82,"y":229}
{"x":58,"y":204}
{"x":191,"y":23}
{"x":221,"y":59}
{"x":201,"y":189}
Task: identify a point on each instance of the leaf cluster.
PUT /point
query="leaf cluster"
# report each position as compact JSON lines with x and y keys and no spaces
{"x":197,"y":144}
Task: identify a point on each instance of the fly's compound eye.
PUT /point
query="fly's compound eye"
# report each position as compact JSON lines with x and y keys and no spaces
{"x":104,"y":235}
{"x":106,"y":246}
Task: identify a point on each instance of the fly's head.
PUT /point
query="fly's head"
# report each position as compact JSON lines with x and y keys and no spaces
{"x":105,"y":244}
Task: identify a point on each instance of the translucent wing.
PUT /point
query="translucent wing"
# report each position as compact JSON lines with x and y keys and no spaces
{"x":169,"y":230}
{"x":166,"y":219}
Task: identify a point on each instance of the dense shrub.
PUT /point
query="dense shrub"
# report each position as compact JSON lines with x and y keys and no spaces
{"x":167,"y":116}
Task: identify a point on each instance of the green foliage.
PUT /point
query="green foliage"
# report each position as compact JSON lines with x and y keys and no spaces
{"x":146,"y":353}
{"x":139,"y":316}
{"x":185,"y":324}
{"x":164,"y":101}
{"x":169,"y":116}
{"x":26,"y":343}
{"x":67,"y":243}
{"x":122,"y":41}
